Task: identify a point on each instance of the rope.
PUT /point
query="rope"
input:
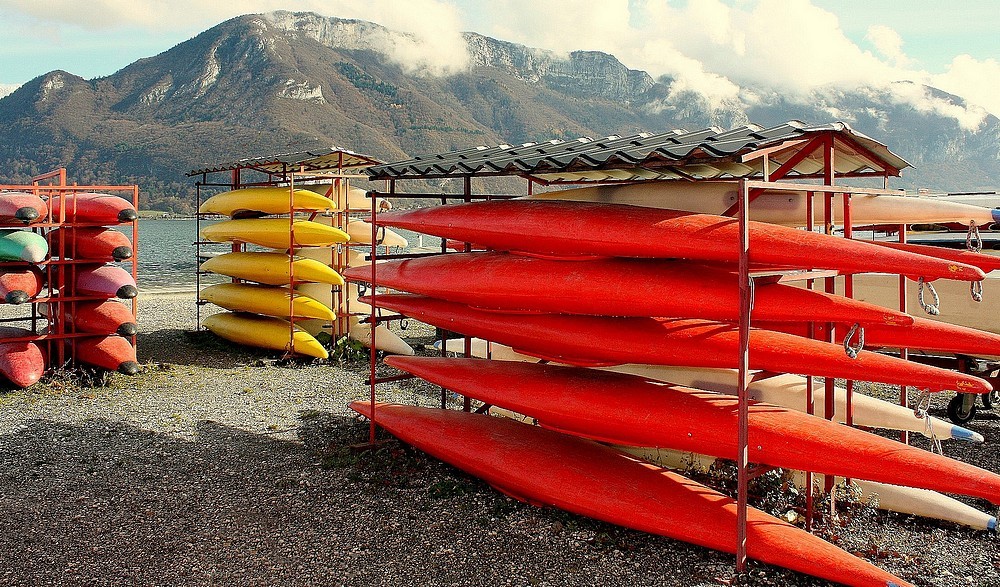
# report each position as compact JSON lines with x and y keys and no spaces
{"x":929,"y":432}
{"x":852,"y":351}
{"x":976,"y":287}
{"x":973,"y":240}
{"x":933,"y":309}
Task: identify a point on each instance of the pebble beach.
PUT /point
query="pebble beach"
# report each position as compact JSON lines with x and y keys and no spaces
{"x":222,"y":466}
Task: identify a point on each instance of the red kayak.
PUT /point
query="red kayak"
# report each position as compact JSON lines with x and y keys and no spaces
{"x":106,"y":281}
{"x":610,"y":287}
{"x":985,"y":262}
{"x":603,"y":341}
{"x":18,"y":285}
{"x":923,"y":334}
{"x":542,"y":467}
{"x":22,"y":363}
{"x":635,"y":411}
{"x":107,"y":317}
{"x":113,"y":353}
{"x":99,"y":244}
{"x":96,"y":208}
{"x":573,"y":229}
{"x":21,"y":208}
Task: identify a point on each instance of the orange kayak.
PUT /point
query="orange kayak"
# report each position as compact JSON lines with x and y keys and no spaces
{"x":611,"y":287}
{"x":604,"y":341}
{"x":543,"y":467}
{"x":635,"y":411}
{"x":574,"y":229}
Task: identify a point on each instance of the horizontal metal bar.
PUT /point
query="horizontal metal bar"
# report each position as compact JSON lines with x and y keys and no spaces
{"x":830,"y":189}
{"x":392,"y":378}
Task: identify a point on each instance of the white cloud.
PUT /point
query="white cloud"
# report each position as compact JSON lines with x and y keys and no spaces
{"x":436,"y":45}
{"x":889,"y":44}
{"x":7,"y":89}
{"x":973,"y":80}
{"x":717,"y":48}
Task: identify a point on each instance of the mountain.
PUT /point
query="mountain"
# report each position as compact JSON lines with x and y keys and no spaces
{"x":278,"y":82}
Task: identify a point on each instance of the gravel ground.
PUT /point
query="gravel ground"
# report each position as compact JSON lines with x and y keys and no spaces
{"x":216,"y":467}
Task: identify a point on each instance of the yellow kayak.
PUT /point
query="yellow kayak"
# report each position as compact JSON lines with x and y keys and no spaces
{"x":357,"y":198}
{"x":265,"y":299}
{"x":260,"y":201}
{"x":264,"y":332}
{"x":274,"y":233}
{"x":271,"y":268}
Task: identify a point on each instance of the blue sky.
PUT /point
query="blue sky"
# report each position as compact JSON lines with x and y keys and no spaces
{"x":715,"y":45}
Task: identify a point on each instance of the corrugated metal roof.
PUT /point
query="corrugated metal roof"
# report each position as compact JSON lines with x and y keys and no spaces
{"x":319,"y":160}
{"x":710,"y":153}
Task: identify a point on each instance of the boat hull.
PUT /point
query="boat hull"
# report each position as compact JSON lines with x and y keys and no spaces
{"x":548,"y":468}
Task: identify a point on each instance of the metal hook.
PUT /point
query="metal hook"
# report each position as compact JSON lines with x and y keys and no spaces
{"x":976,"y":287}
{"x":933,"y":309}
{"x":973,"y":240}
{"x":362,"y":288}
{"x":852,"y":351}
{"x":404,"y":324}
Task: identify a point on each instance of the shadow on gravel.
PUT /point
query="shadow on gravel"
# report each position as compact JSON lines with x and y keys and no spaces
{"x":198,"y":349}
{"x":103,"y":503}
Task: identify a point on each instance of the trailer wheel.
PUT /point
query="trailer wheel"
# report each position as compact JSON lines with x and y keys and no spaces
{"x":961,"y":410}
{"x":991,"y":399}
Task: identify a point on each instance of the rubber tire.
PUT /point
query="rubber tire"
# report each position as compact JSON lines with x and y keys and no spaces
{"x":955,"y":411}
{"x":991,"y":399}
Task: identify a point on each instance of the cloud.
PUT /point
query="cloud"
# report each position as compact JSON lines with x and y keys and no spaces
{"x":719,"y":49}
{"x":973,"y":80}
{"x":7,"y":89}
{"x":889,"y":44}
{"x":435,"y":44}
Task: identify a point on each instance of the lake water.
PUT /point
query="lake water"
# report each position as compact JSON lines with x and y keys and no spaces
{"x":167,"y":252}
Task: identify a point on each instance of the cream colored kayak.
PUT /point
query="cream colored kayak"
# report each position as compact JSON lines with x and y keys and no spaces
{"x":269,"y":300}
{"x":324,"y":294}
{"x":779,"y":207}
{"x":264,"y":332}
{"x":357,"y":198}
{"x":260,"y":201}
{"x":892,"y":498}
{"x":327,"y":256}
{"x":271,"y":268}
{"x":957,"y":305}
{"x":274,"y":233}
{"x":385,"y":339}
{"x":361,"y":233}
{"x":788,"y":391}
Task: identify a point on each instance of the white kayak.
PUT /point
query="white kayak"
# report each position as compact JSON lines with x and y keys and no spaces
{"x":779,"y":207}
{"x":788,"y":391}
{"x":892,"y":498}
{"x":356,"y":199}
{"x":385,"y":339}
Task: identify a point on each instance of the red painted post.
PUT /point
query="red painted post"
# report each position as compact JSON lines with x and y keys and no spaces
{"x":746,"y":300}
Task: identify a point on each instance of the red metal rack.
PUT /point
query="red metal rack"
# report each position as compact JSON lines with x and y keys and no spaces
{"x":60,"y":274}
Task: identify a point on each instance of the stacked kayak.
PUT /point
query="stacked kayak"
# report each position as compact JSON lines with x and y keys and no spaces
{"x":58,"y":255}
{"x":293,"y":292}
{"x":263,"y":308}
{"x":88,"y":239}
{"x":638,"y":306}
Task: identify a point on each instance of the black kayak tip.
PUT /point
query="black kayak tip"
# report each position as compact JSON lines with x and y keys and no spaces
{"x":127,"y":215}
{"x":128,"y":329}
{"x":127,"y":292}
{"x":16,"y":296}
{"x":121,"y":253}
{"x":26,"y":214}
{"x":128,"y":368}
